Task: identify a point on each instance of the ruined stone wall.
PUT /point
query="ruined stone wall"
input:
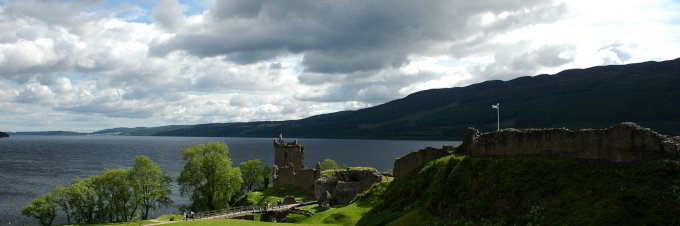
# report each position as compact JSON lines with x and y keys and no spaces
{"x":405,"y":165}
{"x":625,"y":142}
{"x":344,"y":185}
{"x":302,"y":178}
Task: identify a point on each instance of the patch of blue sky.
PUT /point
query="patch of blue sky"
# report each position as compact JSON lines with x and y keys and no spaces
{"x":75,"y":77}
{"x":140,"y":10}
{"x":194,"y":7}
{"x":674,"y":7}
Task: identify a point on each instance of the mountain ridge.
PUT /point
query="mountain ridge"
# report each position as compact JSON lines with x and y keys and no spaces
{"x":595,"y":97}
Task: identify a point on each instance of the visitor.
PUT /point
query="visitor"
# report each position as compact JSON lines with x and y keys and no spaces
{"x":185,"y":215}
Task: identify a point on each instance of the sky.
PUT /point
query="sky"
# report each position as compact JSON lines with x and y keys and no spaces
{"x":87,"y":65}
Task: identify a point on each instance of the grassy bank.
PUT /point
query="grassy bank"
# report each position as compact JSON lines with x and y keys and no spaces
{"x":483,"y":191}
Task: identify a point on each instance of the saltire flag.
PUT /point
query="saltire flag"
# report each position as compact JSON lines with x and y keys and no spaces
{"x":495,"y":105}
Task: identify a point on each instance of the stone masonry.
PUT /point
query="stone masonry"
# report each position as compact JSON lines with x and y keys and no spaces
{"x":289,"y":167}
{"x":405,"y":165}
{"x":344,"y":185}
{"x":625,"y":142}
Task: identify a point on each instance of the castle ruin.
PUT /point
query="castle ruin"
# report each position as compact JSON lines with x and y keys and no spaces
{"x":343,"y":185}
{"x":289,"y":165}
{"x":622,"y":143}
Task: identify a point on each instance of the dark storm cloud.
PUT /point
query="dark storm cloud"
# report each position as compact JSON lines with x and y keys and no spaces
{"x":346,"y":36}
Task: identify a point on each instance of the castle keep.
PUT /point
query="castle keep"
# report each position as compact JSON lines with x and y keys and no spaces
{"x":342,"y":185}
{"x":289,"y":165}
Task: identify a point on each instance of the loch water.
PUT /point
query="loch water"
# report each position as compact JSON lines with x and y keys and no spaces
{"x":34,"y":165}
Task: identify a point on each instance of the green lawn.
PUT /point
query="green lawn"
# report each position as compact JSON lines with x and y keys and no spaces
{"x":345,"y":215}
{"x":131,"y":223}
{"x":234,"y":222}
{"x":179,"y":222}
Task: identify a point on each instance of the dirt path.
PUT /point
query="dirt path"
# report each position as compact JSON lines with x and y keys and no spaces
{"x":161,"y":222}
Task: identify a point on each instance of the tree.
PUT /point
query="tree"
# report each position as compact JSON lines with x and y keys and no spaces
{"x":116,"y":196}
{"x":82,"y":200}
{"x":265,"y":175}
{"x":327,"y":164}
{"x":60,"y":198}
{"x":42,"y":208}
{"x":208,"y":177}
{"x":253,"y":173}
{"x":150,"y":185}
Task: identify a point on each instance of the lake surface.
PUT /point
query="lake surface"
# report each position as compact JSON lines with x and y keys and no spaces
{"x":34,"y":165}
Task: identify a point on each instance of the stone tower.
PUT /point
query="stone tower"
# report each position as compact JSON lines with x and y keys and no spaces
{"x":289,"y":154}
{"x":289,"y":166}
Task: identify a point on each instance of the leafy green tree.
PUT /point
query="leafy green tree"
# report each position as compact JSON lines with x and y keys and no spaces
{"x":82,"y":200}
{"x":115,"y":195}
{"x":42,"y":208}
{"x":253,"y":173}
{"x":265,"y":175}
{"x":208,"y":177}
{"x":150,"y":185}
{"x":60,"y":197}
{"x":327,"y":164}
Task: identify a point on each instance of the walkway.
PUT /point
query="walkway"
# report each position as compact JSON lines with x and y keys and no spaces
{"x":238,"y":212}
{"x":248,"y":210}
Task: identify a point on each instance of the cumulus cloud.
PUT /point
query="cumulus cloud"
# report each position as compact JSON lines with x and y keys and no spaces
{"x":347,"y":36}
{"x":616,"y":53}
{"x":515,"y":60}
{"x":368,"y":87}
{"x":86,"y":65}
{"x":168,"y":14}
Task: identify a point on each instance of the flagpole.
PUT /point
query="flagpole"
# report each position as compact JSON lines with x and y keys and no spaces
{"x":497,"y":106}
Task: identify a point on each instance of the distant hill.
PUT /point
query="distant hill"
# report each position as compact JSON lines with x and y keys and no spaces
{"x":50,"y":133}
{"x":645,"y":93}
{"x":139,"y":131}
{"x":3,"y":135}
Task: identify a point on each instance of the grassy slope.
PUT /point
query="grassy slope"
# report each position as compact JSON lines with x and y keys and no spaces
{"x":467,"y":190}
{"x":233,"y":222}
{"x":339,"y":215}
{"x":180,"y":222}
